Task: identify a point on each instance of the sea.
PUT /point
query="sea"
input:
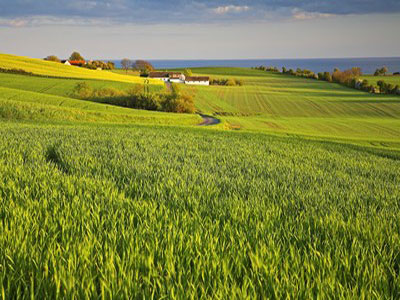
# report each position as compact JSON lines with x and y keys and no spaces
{"x":368,"y":65}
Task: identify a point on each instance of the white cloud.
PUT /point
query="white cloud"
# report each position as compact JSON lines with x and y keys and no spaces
{"x":50,"y":20}
{"x":304,"y":15}
{"x":222,"y":10}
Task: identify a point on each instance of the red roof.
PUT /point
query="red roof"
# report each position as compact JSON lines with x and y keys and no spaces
{"x":77,"y":62}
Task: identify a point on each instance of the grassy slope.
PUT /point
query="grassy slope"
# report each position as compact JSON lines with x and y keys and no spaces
{"x":285,"y":104}
{"x":39,"y":98}
{"x":107,"y":211}
{"x":48,"y":68}
{"x":395,"y":80}
{"x":59,"y":86}
{"x":24,"y":105}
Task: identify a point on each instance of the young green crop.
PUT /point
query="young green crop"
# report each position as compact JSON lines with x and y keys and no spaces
{"x":140,"y":212}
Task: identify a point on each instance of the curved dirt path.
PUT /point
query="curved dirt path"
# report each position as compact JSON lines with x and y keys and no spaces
{"x":209,"y":120}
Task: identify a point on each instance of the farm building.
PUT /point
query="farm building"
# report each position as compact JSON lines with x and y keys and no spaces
{"x":203,"y":80}
{"x":164,"y":76}
{"x":176,"y":77}
{"x":168,"y":76}
{"x":78,"y":63}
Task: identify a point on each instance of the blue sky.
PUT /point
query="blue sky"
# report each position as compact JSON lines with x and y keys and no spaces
{"x":201,"y":29}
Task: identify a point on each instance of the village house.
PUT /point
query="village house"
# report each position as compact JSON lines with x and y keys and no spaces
{"x":164,"y":76}
{"x":177,"y":77}
{"x":78,"y":63}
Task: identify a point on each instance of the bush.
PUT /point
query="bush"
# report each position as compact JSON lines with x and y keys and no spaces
{"x":188,"y":73}
{"x":231,"y":82}
{"x":52,"y":58}
{"x":82,"y":90}
{"x":98,"y":64}
{"x":227,"y":82}
{"x":239,"y":82}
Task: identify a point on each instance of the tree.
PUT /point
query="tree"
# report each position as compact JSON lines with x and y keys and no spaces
{"x":143,"y":66}
{"x":76,"y":56}
{"x":284,"y":70}
{"x":52,"y":58}
{"x":384,"y":70}
{"x":187,"y":73}
{"x":328,"y":76}
{"x":126,"y":64}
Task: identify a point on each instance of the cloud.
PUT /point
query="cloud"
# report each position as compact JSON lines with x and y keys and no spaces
{"x":221,"y":10}
{"x":304,"y":15}
{"x":36,"y":12}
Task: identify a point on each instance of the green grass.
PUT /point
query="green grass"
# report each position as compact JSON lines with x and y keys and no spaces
{"x":23,"y":105}
{"x":110,"y":211}
{"x":99,"y":201}
{"x":48,"y":68}
{"x":59,"y":86}
{"x":285,"y":104}
{"x":395,"y":80}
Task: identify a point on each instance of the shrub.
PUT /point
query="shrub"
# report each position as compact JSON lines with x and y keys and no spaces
{"x":83,"y":90}
{"x":188,"y":72}
{"x":231,"y":82}
{"x":239,"y":82}
{"x":52,"y":58}
{"x":135,"y":90}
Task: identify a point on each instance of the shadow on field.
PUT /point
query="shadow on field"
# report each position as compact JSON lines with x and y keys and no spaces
{"x":54,"y":156}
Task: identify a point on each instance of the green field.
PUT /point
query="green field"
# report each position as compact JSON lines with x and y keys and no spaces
{"x":295,"y":195}
{"x":395,"y":80}
{"x":291,"y":105}
{"x":189,"y":213}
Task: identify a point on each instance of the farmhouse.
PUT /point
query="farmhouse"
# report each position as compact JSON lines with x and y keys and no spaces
{"x":164,"y":76}
{"x":177,"y":77}
{"x":168,"y":76}
{"x":203,"y":80}
{"x":78,"y":63}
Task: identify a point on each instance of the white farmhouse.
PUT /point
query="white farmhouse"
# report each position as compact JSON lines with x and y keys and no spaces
{"x":176,"y":77}
{"x":203,"y":80}
{"x":164,"y":76}
{"x":65,"y":62}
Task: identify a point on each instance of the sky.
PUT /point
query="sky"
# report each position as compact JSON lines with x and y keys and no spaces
{"x":200,"y":29}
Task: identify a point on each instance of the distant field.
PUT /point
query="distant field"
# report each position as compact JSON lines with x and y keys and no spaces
{"x":48,"y":68}
{"x":60,"y":86}
{"x":123,"y":72}
{"x":285,"y":104}
{"x":395,"y":80}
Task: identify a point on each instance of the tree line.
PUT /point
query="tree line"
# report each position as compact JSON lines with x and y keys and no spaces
{"x":138,"y":97}
{"x":93,"y":64}
{"x":349,"y":78}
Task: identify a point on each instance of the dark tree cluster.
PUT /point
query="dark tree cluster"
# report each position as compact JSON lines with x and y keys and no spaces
{"x":381,"y":72}
{"x":268,"y":69}
{"x":226,"y":82}
{"x":98,"y":64}
{"x":388,"y":88}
